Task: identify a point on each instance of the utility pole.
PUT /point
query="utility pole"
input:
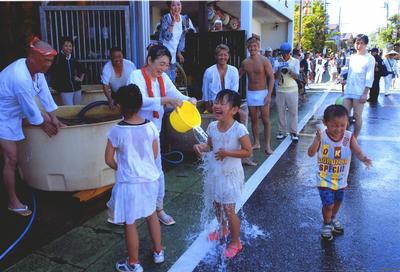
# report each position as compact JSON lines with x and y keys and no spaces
{"x":300,"y":24}
{"x":386,"y":6}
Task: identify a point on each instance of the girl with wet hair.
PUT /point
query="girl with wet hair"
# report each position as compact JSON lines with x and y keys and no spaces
{"x":158,"y":91}
{"x":229,"y":142}
{"x":334,"y":147}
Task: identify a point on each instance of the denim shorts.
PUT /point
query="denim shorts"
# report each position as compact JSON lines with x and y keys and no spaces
{"x":329,"y":196}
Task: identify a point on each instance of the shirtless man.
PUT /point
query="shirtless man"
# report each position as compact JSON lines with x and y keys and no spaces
{"x":260,"y":80}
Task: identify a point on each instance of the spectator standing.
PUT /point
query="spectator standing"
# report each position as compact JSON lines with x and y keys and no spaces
{"x":391,"y":67}
{"x":360,"y":77}
{"x":319,"y":68}
{"x":222,"y":76}
{"x":287,"y":96}
{"x":332,"y":69}
{"x":67,"y":74}
{"x":116,"y":73}
{"x":378,"y":71}
{"x":174,"y":27}
{"x":219,"y":76}
{"x":305,"y":68}
{"x":260,"y":83}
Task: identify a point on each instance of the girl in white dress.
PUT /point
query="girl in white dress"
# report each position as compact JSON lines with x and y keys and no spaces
{"x":134,"y":141}
{"x":229,"y":141}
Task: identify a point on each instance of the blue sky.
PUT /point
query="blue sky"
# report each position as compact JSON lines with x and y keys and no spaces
{"x":360,"y":16}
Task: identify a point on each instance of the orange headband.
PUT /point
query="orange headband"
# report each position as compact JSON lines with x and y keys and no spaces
{"x":41,"y":51}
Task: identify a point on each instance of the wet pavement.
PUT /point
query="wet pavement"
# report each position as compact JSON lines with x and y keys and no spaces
{"x":283,"y":215}
{"x":286,"y":208}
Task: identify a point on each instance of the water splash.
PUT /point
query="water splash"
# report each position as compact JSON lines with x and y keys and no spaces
{"x":249,"y":232}
{"x":200,"y":135}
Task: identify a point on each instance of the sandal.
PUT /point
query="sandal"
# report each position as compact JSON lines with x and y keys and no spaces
{"x":214,"y":236}
{"x":111,"y":221}
{"x":232,"y":250}
{"x":165,"y":218}
{"x":248,"y":161}
{"x":21,"y":211}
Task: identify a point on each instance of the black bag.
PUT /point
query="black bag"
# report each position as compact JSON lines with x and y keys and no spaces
{"x":385,"y":71}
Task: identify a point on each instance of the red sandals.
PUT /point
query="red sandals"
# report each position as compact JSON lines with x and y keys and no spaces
{"x":232,"y":250}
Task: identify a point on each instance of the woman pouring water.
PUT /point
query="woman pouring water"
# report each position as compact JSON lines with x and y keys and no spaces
{"x":158,"y":91}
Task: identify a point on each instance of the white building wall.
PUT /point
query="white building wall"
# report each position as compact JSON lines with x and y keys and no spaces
{"x":256,"y":25}
{"x":280,"y":7}
{"x":272,"y":37}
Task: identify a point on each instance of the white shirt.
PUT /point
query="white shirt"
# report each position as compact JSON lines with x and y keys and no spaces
{"x":391,"y":65}
{"x":212,"y":81}
{"x":172,"y":44}
{"x":17,"y":99}
{"x":228,"y":140}
{"x":135,"y":156}
{"x":319,"y":63}
{"x":108,"y":76}
{"x":360,"y":74}
{"x":151,"y":104}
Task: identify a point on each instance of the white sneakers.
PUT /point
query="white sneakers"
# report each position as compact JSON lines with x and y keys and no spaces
{"x":158,"y":257}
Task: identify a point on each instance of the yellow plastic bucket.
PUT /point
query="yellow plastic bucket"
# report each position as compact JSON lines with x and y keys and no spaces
{"x":185,"y":117}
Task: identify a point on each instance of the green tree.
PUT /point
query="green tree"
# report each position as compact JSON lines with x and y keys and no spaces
{"x":314,"y":27}
{"x":391,"y":33}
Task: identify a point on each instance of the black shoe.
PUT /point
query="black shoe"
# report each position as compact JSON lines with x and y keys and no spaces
{"x":280,"y":136}
{"x":295,"y":137}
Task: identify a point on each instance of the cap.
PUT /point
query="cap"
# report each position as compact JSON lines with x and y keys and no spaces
{"x":218,"y":21}
{"x":285,"y":48}
{"x":269,"y":49}
{"x":391,"y":53}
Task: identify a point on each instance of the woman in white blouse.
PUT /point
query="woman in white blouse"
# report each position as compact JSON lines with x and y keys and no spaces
{"x":158,"y":90}
{"x":219,"y":76}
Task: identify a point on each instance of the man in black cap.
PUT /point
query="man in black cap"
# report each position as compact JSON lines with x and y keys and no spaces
{"x":374,"y":91}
